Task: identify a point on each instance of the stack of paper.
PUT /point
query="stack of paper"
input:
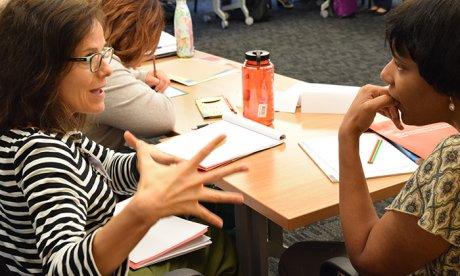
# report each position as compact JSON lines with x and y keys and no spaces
{"x":325,"y":153}
{"x":168,"y":238}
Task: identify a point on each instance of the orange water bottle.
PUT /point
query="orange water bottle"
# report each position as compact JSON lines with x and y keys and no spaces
{"x":258,"y":73}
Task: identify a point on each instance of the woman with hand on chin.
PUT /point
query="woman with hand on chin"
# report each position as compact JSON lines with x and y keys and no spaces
{"x":57,"y":186}
{"x":134,"y":96}
{"x":420,"y":232}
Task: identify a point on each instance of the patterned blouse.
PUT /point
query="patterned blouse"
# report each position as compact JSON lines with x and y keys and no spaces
{"x":432,"y":194}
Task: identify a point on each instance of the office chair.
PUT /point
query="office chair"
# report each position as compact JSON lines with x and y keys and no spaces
{"x":338,"y":266}
{"x":4,"y":271}
{"x":183,"y":272}
{"x":236,"y":4}
{"x":220,"y":11}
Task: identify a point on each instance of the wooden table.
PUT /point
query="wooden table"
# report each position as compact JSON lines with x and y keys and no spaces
{"x":283,"y":188}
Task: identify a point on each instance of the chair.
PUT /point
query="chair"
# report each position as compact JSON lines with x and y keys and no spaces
{"x":236,"y":4}
{"x":220,"y":9}
{"x":338,"y":266}
{"x":183,"y":272}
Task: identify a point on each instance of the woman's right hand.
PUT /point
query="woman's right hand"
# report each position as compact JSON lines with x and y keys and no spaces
{"x":177,"y":188}
{"x":157,"y":80}
{"x":371,"y":99}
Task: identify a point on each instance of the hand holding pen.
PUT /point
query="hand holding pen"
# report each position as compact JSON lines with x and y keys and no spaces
{"x":158,"y":80}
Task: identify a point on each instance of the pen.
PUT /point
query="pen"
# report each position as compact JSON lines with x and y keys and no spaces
{"x":229,"y":105}
{"x":199,"y":126}
{"x":210,"y":100}
{"x":154,"y":68}
{"x":375,"y":151}
{"x":412,"y":156}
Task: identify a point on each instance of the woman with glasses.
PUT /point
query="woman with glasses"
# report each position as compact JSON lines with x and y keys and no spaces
{"x":134,"y":97}
{"x":57,"y":187}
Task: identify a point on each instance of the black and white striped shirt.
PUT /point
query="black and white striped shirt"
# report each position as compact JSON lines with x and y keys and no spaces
{"x":54,"y":196}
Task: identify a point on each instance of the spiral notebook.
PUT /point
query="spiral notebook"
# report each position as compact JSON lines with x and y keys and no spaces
{"x":244,"y":137}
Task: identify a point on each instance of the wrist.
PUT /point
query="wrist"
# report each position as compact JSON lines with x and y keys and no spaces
{"x":139,"y":210}
{"x":348,"y":135}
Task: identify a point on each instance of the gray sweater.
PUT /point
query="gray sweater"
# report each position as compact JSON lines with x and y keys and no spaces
{"x":130,"y":104}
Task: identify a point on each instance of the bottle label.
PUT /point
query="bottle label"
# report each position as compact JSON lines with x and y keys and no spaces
{"x":262,"y":111}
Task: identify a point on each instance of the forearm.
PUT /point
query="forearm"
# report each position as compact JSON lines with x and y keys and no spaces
{"x":357,"y":212}
{"x":113,"y":242}
{"x":139,"y":109}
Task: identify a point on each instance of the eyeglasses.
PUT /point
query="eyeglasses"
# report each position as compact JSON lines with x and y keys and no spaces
{"x":95,"y":60}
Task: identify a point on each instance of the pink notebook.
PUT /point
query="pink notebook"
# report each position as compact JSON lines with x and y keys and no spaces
{"x":420,"y":140}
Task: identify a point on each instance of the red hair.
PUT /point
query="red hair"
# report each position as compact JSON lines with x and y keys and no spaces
{"x":133,"y":27}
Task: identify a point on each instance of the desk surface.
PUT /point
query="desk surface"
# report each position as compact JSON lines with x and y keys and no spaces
{"x":283,"y":183}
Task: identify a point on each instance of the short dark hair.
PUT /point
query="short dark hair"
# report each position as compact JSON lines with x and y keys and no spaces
{"x":37,"y":38}
{"x":429,"y":32}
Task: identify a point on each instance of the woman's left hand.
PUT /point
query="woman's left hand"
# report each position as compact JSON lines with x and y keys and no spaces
{"x":370,"y":100}
{"x":159,"y":82}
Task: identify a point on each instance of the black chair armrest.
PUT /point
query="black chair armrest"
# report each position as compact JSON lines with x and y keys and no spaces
{"x":337,"y":266}
{"x":183,"y":272}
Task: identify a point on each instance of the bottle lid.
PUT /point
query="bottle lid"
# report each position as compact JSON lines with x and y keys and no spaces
{"x":257,"y":55}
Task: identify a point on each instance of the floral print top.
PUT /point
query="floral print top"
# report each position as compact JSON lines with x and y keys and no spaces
{"x":433,"y":195}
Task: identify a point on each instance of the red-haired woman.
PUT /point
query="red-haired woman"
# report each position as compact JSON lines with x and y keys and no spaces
{"x":134,"y":97}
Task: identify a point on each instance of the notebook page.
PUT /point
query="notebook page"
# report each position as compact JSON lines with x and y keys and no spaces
{"x":249,"y":124}
{"x":240,"y":142}
{"x":389,"y":161}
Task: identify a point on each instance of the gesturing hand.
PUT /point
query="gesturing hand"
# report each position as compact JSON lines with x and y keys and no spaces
{"x":177,"y":188}
{"x":370,"y":100}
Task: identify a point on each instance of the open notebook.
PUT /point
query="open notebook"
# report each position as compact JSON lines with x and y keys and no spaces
{"x":244,"y":137}
{"x":325,"y":153}
{"x":166,"y":45}
{"x":168,"y":238}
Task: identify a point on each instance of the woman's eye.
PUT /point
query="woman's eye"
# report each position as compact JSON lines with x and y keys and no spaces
{"x":399,"y":67}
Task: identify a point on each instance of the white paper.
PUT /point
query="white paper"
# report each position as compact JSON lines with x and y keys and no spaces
{"x":326,"y":98}
{"x":172,"y":92}
{"x":167,"y":236}
{"x":286,"y":101}
{"x":389,"y":161}
{"x":240,"y":141}
{"x":196,"y":244}
{"x":166,"y":45}
{"x":254,"y":126}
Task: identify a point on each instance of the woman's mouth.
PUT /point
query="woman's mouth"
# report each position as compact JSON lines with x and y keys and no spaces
{"x":97,"y":91}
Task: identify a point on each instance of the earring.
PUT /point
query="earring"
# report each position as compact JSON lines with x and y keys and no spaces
{"x":451,"y":105}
